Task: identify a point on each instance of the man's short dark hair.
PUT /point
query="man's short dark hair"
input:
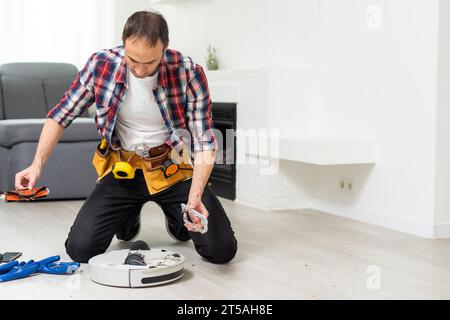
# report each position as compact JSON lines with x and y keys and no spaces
{"x":148,"y":25}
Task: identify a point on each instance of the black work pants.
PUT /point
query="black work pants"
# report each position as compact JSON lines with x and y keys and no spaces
{"x":113,"y":202}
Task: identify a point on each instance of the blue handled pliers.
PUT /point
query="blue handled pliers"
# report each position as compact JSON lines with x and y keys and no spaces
{"x":51,"y":265}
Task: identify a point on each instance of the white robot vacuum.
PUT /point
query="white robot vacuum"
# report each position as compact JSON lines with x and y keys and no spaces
{"x":137,"y":267}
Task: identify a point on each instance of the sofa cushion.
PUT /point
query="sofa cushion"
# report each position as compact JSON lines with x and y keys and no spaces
{"x":54,"y":89}
{"x":30,"y":90}
{"x":4,"y":166}
{"x":23,"y":98}
{"x":29,"y":130}
{"x":2,"y":115}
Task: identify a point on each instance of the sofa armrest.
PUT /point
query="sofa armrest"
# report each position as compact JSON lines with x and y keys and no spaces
{"x":16,"y":131}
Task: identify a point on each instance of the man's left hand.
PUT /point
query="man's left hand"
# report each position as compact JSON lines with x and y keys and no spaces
{"x":196,"y":204}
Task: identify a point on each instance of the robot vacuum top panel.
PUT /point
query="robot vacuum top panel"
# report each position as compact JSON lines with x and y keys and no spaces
{"x":158,"y":267}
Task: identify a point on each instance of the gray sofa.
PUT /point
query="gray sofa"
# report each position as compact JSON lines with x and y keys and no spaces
{"x":27,"y":92}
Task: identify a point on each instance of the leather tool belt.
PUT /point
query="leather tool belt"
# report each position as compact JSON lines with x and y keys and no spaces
{"x":160,"y":170}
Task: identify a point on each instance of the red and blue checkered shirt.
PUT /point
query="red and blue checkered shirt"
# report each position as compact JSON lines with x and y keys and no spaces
{"x":181,"y":93}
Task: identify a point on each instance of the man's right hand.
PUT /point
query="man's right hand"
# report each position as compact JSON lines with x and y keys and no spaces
{"x":26,"y":179}
{"x":50,"y":135}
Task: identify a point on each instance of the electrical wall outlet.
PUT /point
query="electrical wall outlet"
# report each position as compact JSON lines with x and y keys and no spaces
{"x":346,"y":184}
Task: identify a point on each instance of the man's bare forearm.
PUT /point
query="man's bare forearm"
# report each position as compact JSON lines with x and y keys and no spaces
{"x":50,"y":135}
{"x":203,"y":165}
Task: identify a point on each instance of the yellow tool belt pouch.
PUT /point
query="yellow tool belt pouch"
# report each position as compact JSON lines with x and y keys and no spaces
{"x":101,"y":158}
{"x":160,"y":172}
{"x":163,"y":172}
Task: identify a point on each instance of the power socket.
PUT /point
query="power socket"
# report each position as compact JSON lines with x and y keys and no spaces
{"x":346,"y":184}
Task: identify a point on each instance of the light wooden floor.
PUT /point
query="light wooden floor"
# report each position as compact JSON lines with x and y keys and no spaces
{"x":282,"y":255}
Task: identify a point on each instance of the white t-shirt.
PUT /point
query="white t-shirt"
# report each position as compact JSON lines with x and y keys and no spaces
{"x":139,"y":120}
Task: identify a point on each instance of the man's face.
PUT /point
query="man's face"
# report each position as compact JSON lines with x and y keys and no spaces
{"x":142,"y":60}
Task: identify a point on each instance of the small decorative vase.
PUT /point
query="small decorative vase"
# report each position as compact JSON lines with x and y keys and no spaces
{"x":211,"y":60}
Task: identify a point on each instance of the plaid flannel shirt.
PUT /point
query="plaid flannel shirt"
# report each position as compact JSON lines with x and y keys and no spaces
{"x":181,"y":93}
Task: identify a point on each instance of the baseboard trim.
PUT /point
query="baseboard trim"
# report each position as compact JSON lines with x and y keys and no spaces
{"x":442,"y":231}
{"x":373,"y":217}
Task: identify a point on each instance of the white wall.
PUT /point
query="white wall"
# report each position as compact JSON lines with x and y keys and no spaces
{"x":442,"y":216}
{"x":124,"y":9}
{"x":369,"y":81}
{"x":346,"y":77}
{"x":246,"y":34}
{"x":381,"y":84}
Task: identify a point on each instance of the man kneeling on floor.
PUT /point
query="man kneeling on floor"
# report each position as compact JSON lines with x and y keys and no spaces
{"x":145,"y":94}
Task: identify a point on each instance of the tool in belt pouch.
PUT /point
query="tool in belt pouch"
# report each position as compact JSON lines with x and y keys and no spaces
{"x":160,"y":171}
{"x":165,"y":170}
{"x":101,"y":158}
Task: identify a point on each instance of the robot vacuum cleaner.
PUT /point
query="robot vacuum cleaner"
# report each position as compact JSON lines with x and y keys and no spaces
{"x":136,"y":267}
